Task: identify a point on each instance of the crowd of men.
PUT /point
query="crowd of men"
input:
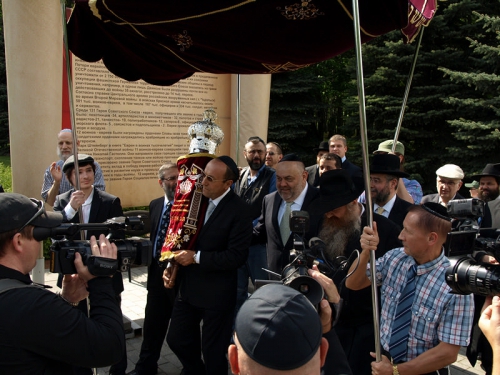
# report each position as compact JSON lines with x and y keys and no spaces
{"x":247,"y":235}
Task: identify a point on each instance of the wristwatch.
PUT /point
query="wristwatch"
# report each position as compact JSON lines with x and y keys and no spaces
{"x":395,"y":370}
{"x":194,"y":258}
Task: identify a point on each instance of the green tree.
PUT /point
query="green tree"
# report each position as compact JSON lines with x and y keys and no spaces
{"x":477,"y":122}
{"x":426,"y":131}
{"x":307,"y":106}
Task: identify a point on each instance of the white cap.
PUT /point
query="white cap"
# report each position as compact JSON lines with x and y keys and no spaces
{"x":450,"y":171}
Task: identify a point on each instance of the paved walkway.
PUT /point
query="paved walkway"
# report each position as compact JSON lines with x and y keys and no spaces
{"x":133,"y":303}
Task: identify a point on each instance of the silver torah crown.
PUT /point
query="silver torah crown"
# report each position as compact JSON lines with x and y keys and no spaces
{"x":205,"y":135}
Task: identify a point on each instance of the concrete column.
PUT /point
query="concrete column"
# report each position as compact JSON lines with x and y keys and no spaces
{"x":254,"y":111}
{"x":33,"y":55}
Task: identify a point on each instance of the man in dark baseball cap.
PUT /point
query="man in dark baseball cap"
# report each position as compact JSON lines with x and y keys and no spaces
{"x":18,"y":211}
{"x":41,"y":330}
{"x":277,"y":329}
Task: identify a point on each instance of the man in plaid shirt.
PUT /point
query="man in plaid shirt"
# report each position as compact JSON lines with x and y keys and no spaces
{"x":440,"y":321}
{"x":54,"y":181}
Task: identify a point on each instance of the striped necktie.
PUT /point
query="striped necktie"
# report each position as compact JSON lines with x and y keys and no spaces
{"x":380,"y":210}
{"x":398,"y":344}
{"x":162,"y":230}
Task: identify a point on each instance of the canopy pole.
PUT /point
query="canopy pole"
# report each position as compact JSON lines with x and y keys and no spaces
{"x":407,"y":90}
{"x":238,"y":105}
{"x":71,"y":107}
{"x":366,"y":169}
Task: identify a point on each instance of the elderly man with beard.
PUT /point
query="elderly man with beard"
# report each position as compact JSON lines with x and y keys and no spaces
{"x":337,"y":218}
{"x":256,"y":181}
{"x":54,"y":180}
{"x":489,"y":181}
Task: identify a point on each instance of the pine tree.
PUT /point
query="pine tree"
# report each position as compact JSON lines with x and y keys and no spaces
{"x":4,"y":114}
{"x":477,"y":122}
{"x":426,"y":131}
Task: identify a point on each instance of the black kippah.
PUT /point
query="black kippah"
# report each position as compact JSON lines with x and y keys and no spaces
{"x":290,"y":157}
{"x":230,"y":164}
{"x":437,"y":210}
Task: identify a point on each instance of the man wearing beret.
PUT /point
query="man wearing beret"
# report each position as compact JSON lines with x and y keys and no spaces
{"x":207,"y":276}
{"x":422,"y":324}
{"x":449,"y":181}
{"x":41,"y":331}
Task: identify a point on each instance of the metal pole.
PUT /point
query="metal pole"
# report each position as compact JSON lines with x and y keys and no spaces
{"x":407,"y":90}
{"x":366,"y":169}
{"x":71,"y":107}
{"x":238,"y":104}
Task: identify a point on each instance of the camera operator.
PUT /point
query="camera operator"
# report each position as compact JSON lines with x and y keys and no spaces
{"x":489,"y":322}
{"x":41,"y":331}
{"x":422,"y":324}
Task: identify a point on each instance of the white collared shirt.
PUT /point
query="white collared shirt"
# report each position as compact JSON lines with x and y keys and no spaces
{"x":296,"y":206}
{"x":387,"y":207}
{"x":70,"y":212}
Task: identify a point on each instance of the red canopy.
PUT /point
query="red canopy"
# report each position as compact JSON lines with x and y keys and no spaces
{"x":162,"y":42}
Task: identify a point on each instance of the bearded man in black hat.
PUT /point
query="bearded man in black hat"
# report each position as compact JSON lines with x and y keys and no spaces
{"x":384,"y":180}
{"x":313,"y":170}
{"x":489,"y":182}
{"x":338,"y":219}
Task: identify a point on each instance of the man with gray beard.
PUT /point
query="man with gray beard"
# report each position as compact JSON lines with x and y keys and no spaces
{"x":337,"y":218}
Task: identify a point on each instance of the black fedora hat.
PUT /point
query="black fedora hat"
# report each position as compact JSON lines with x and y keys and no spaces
{"x":336,"y":189}
{"x":323,"y":146}
{"x":387,"y":164}
{"x":490,"y":170}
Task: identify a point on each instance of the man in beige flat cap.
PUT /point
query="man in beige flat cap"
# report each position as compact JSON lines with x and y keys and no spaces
{"x":449,"y":181}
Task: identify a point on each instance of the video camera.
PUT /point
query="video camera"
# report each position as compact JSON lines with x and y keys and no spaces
{"x":466,"y":245}
{"x":295,"y":274}
{"x":130,"y":251}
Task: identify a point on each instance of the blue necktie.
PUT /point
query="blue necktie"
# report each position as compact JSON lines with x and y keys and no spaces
{"x":162,"y":230}
{"x":398,"y":345}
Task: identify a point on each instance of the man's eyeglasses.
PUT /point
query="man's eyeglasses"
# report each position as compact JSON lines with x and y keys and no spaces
{"x":210,"y":178}
{"x":41,"y":210}
{"x":168,"y":178}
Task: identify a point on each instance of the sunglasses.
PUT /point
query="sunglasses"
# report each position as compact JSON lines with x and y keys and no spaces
{"x":41,"y":211}
{"x":209,"y":178}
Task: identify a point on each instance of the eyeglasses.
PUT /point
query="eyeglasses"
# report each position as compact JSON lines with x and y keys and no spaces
{"x":270,"y":153}
{"x":41,"y":211}
{"x":209,"y":178}
{"x":447,"y":182}
{"x":168,"y":178}
{"x":280,"y":149}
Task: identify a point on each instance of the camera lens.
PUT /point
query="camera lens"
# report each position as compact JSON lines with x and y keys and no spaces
{"x":465,"y":276}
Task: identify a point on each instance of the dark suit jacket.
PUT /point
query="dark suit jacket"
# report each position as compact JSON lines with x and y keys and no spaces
{"x":267,"y":229}
{"x":353,"y":170}
{"x":435,"y":198}
{"x":104,"y":206}
{"x":355,"y":325}
{"x":223,"y":243}
{"x":313,"y":175}
{"x":398,"y":211}
{"x":491,"y":217}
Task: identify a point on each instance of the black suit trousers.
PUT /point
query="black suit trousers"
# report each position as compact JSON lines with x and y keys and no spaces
{"x":184,"y":338}
{"x":159,"y":305}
